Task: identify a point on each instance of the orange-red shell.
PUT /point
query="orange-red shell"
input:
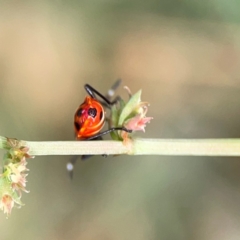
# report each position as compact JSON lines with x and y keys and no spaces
{"x":89,"y":118}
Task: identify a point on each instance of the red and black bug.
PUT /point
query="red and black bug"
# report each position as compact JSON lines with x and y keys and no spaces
{"x":90,"y":117}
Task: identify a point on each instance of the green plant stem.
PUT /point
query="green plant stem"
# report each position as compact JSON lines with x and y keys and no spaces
{"x":180,"y":147}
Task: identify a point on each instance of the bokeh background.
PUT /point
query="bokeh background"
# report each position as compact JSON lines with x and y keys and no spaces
{"x":185,"y":55}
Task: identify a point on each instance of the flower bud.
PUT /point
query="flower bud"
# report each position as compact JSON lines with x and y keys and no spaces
{"x":131,"y":115}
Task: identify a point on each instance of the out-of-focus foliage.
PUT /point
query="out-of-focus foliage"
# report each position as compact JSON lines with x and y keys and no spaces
{"x":185,"y":55}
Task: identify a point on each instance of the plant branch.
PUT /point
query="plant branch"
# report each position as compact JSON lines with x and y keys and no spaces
{"x":180,"y":147}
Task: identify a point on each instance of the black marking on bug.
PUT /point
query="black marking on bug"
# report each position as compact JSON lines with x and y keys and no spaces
{"x":77,"y":126}
{"x":92,"y":112}
{"x":101,"y":115}
{"x":79,"y":112}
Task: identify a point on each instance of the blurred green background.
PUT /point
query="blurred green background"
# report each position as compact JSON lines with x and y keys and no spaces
{"x":185,"y":55}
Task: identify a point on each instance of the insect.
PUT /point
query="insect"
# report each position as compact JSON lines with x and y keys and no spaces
{"x":90,"y":118}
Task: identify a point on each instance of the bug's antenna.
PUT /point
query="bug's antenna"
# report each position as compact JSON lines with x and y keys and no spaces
{"x":112,"y":90}
{"x":92,"y":91}
{"x":70,"y":166}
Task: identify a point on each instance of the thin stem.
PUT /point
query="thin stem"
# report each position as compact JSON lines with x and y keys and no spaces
{"x":187,"y":147}
{"x":76,"y":148}
{"x":180,"y":147}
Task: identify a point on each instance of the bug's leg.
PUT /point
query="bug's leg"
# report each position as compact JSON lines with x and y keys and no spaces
{"x":92,"y":91}
{"x":85,"y":157}
{"x":110,"y":130}
{"x":112,"y":90}
{"x":115,"y":100}
{"x":111,"y":93}
{"x":73,"y":159}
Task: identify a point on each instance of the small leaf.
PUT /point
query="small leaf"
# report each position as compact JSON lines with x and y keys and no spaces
{"x":114,"y":121}
{"x":130,"y":106}
{"x":114,"y":116}
{"x":114,"y":135}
